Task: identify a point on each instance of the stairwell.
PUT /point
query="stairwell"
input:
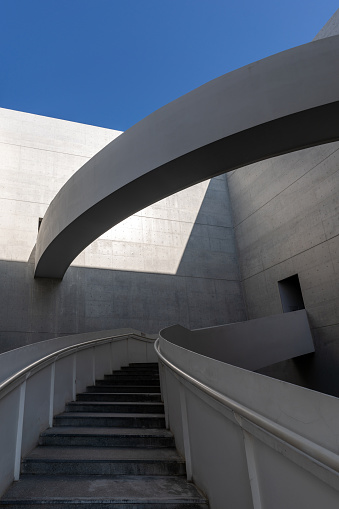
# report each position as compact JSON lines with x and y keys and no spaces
{"x":109,"y":449}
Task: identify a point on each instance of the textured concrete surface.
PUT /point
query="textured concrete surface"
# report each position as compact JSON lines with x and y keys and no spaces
{"x":174,"y":262}
{"x":286,"y":222}
{"x":102,"y":454}
{"x":330,"y":28}
{"x":111,"y":488}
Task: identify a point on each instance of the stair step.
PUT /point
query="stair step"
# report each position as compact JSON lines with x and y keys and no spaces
{"x":116,"y":397}
{"x":149,"y":365}
{"x":110,"y":419}
{"x":107,"y":437}
{"x":103,"y":461}
{"x":127,"y":381}
{"x":124,"y":388}
{"x":123,"y":407}
{"x":140,"y":369}
{"x":132,"y":376}
{"x":103,"y":492}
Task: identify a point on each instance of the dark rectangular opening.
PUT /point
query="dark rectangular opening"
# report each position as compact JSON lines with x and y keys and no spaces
{"x":290,"y":294}
{"x":39,"y":224}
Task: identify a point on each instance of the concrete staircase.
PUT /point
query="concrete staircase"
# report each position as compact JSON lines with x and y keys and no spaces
{"x":109,"y":449}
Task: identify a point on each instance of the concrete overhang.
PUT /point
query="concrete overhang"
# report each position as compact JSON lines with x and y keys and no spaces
{"x":277,"y":105}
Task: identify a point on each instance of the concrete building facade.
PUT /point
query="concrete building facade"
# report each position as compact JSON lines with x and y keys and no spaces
{"x":286,"y":222}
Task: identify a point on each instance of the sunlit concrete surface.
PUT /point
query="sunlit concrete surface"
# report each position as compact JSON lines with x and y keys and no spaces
{"x":174,"y":261}
{"x":280,"y":104}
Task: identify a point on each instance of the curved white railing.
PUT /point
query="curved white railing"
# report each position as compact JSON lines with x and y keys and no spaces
{"x":250,"y":427}
{"x":306,"y":446}
{"x":31,"y":395}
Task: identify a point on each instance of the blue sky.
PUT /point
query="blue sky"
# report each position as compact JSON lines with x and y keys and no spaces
{"x":112,"y":62}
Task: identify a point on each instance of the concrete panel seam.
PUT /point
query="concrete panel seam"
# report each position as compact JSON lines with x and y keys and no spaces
{"x":286,"y":259}
{"x":287,"y":187}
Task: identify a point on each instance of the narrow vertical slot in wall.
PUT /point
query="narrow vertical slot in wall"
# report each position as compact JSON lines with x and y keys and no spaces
{"x":290,"y":294}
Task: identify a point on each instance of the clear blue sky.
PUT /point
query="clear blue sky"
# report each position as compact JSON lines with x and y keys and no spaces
{"x":112,"y":62}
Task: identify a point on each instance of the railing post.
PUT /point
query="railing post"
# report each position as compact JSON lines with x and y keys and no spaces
{"x":185,"y":432}
{"x":18,"y":444}
{"x":74,"y":379}
{"x":51,"y":396}
{"x":164,"y":393}
{"x":251,"y":464}
{"x":93,"y":365}
{"x":111,"y":356}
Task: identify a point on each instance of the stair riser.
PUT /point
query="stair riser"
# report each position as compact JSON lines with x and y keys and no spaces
{"x":138,"y":370}
{"x":102,"y":468}
{"x":133,"y":378}
{"x":128,"y":441}
{"x":128,"y":398}
{"x":116,"y":408}
{"x":124,"y":388}
{"x":127,"y":381}
{"x":113,"y":422}
{"x":135,"y":372}
{"x":46,"y":504}
{"x":149,"y":365}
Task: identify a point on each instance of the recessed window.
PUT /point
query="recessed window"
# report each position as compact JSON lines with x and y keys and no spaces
{"x":39,"y":224}
{"x":290,"y":294}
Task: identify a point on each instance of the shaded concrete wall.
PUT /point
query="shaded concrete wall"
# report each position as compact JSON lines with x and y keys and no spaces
{"x":286,"y":216}
{"x":174,"y":262}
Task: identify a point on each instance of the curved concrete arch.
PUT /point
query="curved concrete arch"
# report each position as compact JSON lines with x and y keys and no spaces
{"x":277,"y":105}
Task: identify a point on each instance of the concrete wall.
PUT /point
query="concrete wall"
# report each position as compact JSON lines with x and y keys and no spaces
{"x":287,"y":222}
{"x":174,"y":262}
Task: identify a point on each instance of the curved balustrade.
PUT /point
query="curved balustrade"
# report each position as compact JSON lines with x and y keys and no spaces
{"x":253,"y":344}
{"x":250,"y":441}
{"x":274,"y":106}
{"x":40,"y":384}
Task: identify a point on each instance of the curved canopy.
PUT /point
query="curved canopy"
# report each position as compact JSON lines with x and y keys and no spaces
{"x":277,"y":105}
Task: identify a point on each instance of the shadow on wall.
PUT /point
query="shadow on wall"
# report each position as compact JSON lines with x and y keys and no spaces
{"x":205,"y":291}
{"x":317,"y":371}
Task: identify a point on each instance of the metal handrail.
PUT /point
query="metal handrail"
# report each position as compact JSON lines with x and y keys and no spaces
{"x":322,"y":455}
{"x":52,"y":357}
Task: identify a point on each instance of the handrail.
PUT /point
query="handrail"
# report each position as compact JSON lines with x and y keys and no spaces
{"x":52,"y":357}
{"x":315,"y":451}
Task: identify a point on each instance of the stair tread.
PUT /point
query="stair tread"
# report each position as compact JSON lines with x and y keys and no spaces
{"x":76,"y":454}
{"x":115,"y":403}
{"x":108,"y":383}
{"x":78,"y":415}
{"x":122,"y":393}
{"x":108,"y":488}
{"x":127,"y":383}
{"x":144,"y":432}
